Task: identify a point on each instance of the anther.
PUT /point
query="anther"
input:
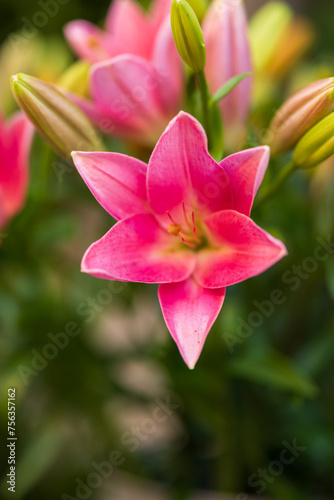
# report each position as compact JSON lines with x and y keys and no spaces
{"x":174,"y":229}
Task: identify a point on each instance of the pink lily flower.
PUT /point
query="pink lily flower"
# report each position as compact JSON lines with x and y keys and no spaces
{"x":136,"y":87}
{"x":128,"y":30}
{"x":228,"y":54}
{"x":15,"y":142}
{"x":183,"y":222}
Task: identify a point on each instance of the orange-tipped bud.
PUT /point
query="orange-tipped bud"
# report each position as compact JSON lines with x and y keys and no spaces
{"x":300,"y":113}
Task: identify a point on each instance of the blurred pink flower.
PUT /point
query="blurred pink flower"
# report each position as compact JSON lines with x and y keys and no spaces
{"x":128,"y":30}
{"x":183,"y":222}
{"x":228,"y":54}
{"x":15,"y":142}
{"x":136,"y":86}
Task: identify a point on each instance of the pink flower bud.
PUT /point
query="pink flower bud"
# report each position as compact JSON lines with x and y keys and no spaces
{"x":300,"y":113}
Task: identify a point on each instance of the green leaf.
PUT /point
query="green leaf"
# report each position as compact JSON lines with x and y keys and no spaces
{"x":228,"y":87}
{"x":275,"y":370}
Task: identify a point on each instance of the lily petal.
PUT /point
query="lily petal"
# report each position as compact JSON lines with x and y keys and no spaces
{"x":130,"y":30}
{"x":106,"y":122}
{"x":137,"y":249}
{"x":246,"y":170}
{"x":126,"y":88}
{"x":169,"y":66}
{"x":241,"y":250}
{"x":160,"y":9}
{"x":189,"y":311}
{"x":87,"y":41}
{"x":15,"y":143}
{"x":228,"y":55}
{"x":117,"y":181}
{"x":181,"y":170}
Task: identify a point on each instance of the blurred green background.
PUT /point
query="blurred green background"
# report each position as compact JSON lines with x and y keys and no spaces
{"x":110,"y":411}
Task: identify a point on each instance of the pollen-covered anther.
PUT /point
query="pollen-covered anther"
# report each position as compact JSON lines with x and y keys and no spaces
{"x":174,"y":229}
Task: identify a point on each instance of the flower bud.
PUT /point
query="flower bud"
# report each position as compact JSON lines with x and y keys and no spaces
{"x":188,"y":35}
{"x":199,"y":7}
{"x":295,"y":42}
{"x":316,"y":145}
{"x":299,"y":113}
{"x":55,"y":117}
{"x":265,"y":31}
{"x":75,"y":79}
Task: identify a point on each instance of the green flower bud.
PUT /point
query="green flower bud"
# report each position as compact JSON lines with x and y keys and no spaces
{"x":316,"y":145}
{"x":199,"y":7}
{"x":55,"y":117}
{"x":188,"y":35}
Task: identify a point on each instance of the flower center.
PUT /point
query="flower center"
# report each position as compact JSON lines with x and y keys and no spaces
{"x":188,"y":233}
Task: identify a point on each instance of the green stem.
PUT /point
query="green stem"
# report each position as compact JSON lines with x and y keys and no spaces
{"x":282,"y":177}
{"x":205,"y":99}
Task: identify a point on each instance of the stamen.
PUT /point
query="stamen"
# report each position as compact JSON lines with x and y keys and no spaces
{"x":185,"y":215}
{"x":191,"y":245}
{"x":171,"y":219}
{"x":195,"y":229}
